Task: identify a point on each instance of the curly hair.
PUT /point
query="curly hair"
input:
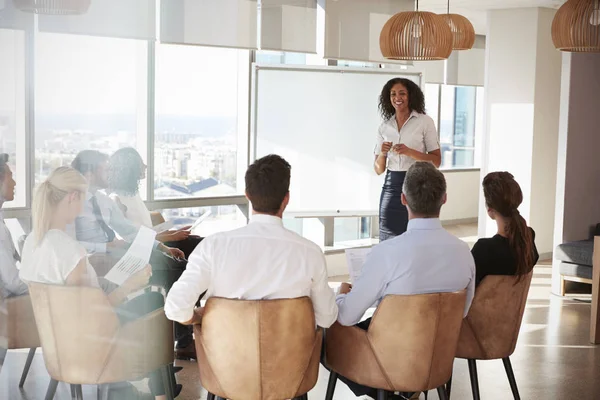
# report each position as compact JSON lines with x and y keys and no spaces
{"x":124,"y":171}
{"x":416,"y":98}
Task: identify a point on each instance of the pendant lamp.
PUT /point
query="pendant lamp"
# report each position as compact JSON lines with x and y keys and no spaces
{"x":463,"y":33}
{"x":54,"y":7}
{"x":576,"y":26}
{"x":416,"y":35}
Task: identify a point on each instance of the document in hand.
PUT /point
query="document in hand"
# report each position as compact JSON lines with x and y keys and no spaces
{"x":165,"y":226}
{"x":135,"y":259}
{"x":200,"y":219}
{"x":355,"y":259}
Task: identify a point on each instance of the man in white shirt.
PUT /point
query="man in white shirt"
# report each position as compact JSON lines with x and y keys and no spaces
{"x":425,"y":259}
{"x":262,"y":260}
{"x":10,"y":284}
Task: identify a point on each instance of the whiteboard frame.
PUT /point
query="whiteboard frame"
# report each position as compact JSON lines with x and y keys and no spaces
{"x":255,"y":87}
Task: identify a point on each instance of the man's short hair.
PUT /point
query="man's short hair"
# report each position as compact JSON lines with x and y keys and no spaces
{"x":3,"y":164}
{"x":424,"y":188}
{"x":87,"y":161}
{"x":267,"y":183}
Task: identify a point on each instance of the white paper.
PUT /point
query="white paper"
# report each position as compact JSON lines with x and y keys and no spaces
{"x":163,"y":227}
{"x":200,"y":220}
{"x":136,"y":258}
{"x":355,"y":259}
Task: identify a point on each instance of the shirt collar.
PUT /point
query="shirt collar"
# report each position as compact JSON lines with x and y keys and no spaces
{"x":392,"y":120}
{"x":266,"y":219}
{"x":427,"y":224}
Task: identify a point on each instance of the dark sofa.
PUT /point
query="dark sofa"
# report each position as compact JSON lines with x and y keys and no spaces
{"x":576,"y":260}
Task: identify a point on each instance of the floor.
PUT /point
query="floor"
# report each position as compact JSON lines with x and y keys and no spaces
{"x":553,"y":359}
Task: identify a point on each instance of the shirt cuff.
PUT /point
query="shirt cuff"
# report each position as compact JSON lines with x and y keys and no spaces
{"x":178,"y":315}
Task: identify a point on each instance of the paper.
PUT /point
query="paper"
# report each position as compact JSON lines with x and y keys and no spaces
{"x":136,"y":258}
{"x":355,"y":259}
{"x":200,"y":220}
{"x":163,"y":227}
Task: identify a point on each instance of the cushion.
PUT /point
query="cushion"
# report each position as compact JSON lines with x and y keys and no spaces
{"x":579,"y":252}
{"x":580,"y":271}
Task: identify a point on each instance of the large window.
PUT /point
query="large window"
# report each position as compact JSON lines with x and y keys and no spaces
{"x":457,"y":111}
{"x":206,"y":220}
{"x":12,"y":108}
{"x":91,"y":93}
{"x":201,"y":121}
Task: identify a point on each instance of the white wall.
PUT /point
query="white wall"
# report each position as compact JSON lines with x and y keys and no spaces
{"x":463,"y":196}
{"x":522,"y":105}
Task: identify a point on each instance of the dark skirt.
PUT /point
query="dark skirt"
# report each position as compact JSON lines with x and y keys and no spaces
{"x":393,"y":215}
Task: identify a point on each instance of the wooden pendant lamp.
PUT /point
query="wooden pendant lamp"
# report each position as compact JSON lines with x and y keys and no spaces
{"x":54,"y":7}
{"x":463,"y":33}
{"x":576,"y":26}
{"x":416,"y":35}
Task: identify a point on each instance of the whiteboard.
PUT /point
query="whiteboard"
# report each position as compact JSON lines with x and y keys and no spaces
{"x":324,"y":122}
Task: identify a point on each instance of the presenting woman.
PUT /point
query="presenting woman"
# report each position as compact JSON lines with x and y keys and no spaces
{"x":405,"y":136}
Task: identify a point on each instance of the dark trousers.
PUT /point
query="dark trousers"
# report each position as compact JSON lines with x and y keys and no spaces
{"x":187,"y":246}
{"x":137,"y":308}
{"x":393,"y":215}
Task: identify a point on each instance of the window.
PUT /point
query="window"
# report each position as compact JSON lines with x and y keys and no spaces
{"x":91,"y":93}
{"x":201,"y":132}
{"x":459,"y":122}
{"x":12,"y":108}
{"x":213,"y":219}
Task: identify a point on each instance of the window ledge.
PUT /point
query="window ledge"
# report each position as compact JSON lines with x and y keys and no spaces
{"x":462,"y":169}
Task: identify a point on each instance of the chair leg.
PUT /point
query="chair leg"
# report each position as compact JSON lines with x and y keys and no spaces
{"x":449,"y":387}
{"x":51,"y":389}
{"x":76,"y":389}
{"x":73,"y":392}
{"x":442,"y":394}
{"x":474,"y":379}
{"x":27,"y":366}
{"x":426,"y":394}
{"x":103,"y":391}
{"x":210,"y":396}
{"x":382,"y":394}
{"x":333,"y":376}
{"x":165,"y":372}
{"x":511,"y":378}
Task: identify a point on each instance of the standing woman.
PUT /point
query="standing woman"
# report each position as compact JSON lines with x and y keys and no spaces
{"x":405,"y":136}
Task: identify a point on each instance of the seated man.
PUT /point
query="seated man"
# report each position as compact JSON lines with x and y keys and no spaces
{"x":425,"y":259}
{"x":96,"y":230}
{"x":10,"y":284}
{"x":262,"y":260}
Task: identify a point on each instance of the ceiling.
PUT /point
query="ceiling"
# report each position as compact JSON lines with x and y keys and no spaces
{"x":476,"y":10}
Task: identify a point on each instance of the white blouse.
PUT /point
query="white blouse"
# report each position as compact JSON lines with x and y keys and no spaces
{"x":53,"y":259}
{"x":136,"y":211}
{"x":418,"y":133}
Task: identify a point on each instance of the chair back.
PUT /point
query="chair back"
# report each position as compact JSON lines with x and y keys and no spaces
{"x":491,"y":329}
{"x":77,"y":326}
{"x":409,"y":346}
{"x":21,"y":330}
{"x":258,"y":349}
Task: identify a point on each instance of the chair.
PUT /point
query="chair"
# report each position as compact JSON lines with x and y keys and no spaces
{"x":409,"y":346}
{"x":157,"y":218}
{"x":21,"y":329}
{"x":85,"y":344}
{"x":491,"y":329}
{"x":258,"y":350}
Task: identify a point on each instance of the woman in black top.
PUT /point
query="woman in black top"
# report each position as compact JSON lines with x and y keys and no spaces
{"x":512,"y":250}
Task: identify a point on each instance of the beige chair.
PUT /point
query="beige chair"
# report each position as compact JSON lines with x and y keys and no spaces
{"x":258,"y":350}
{"x":491,"y":329}
{"x":21,"y":329}
{"x":157,"y":218}
{"x":85,"y":344}
{"x":409,"y":346}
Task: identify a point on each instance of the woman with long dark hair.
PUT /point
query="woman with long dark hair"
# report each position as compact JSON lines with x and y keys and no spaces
{"x":126,"y":170}
{"x":512,"y":250}
{"x":406,"y":135}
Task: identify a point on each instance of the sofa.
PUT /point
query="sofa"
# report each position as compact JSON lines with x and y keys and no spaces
{"x":576,"y":260}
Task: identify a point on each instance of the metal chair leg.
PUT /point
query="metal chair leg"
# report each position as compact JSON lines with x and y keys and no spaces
{"x":103,"y":391}
{"x":382,"y":394}
{"x":210,"y":396}
{"x":333,"y":376}
{"x":511,"y":378}
{"x":442,"y":394}
{"x":51,"y":389}
{"x":449,"y":387}
{"x":474,"y":379}
{"x":78,"y":392}
{"x":73,"y":392}
{"x":27,"y":366}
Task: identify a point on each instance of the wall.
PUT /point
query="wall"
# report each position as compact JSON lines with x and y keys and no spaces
{"x":463,"y":196}
{"x":578,"y":177}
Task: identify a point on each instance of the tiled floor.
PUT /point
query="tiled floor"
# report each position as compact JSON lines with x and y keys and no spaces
{"x":553,"y":359}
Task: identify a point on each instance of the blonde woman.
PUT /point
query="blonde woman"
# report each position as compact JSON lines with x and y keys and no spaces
{"x":51,"y":256}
